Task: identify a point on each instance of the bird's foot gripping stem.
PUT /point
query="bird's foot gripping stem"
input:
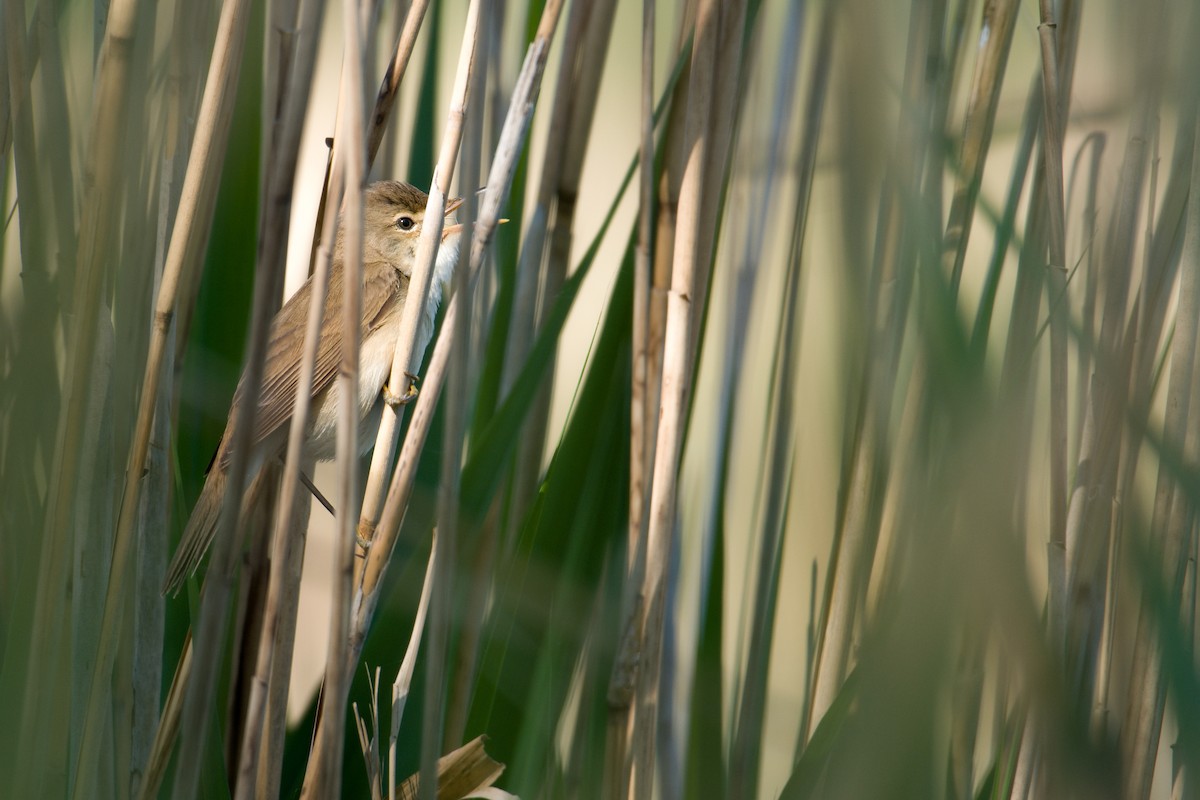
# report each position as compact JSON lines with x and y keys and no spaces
{"x":396,"y":400}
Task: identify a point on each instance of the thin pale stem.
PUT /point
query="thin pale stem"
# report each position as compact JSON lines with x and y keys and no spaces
{"x":504,"y":165}
{"x":622,"y":683}
{"x":1052,"y":153}
{"x":638,"y":430}
{"x":407,"y":358}
{"x":403,"y":683}
{"x":388,"y":88}
{"x":999,"y":22}
{"x":676,"y":379}
{"x":449,"y":487}
{"x":261,"y":753}
{"x":337,"y":669}
{"x":192,"y":218}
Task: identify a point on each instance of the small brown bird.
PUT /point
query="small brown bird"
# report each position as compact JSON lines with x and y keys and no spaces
{"x":392,"y":216}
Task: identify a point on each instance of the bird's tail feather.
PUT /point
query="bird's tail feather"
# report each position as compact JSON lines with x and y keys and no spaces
{"x":198,"y":534}
{"x":202,"y":525}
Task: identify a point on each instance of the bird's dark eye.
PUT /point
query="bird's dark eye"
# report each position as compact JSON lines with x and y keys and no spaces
{"x":405,"y":223}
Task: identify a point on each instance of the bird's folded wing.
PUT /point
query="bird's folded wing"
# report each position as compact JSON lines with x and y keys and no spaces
{"x":284,"y":349}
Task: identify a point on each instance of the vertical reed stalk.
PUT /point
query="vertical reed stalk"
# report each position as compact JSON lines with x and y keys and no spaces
{"x":337,"y":670}
{"x":484,"y":567}
{"x":1143,"y":723}
{"x":100,"y":207}
{"x":529,"y":270}
{"x":639,"y":489}
{"x":499,"y":181}
{"x":623,"y":682}
{"x":449,"y":487}
{"x":676,"y":381}
{"x":192,"y":221}
{"x":403,"y":683}
{"x":407,"y":359}
{"x":390,"y":85}
{"x":999,"y":22}
{"x":779,"y":418}
{"x":546,"y":249}
{"x":218,"y":583}
{"x":263,"y":752}
{"x":814,"y":114}
{"x":1057,"y":273}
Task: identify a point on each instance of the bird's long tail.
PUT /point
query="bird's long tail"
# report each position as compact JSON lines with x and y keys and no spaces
{"x":202,"y":525}
{"x":198,"y":534}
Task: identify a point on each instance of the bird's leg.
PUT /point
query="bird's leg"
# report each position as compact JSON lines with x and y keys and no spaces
{"x":312,"y":487}
{"x":395,"y":400}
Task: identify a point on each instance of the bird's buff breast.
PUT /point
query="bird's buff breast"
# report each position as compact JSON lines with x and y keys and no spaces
{"x":374,"y":368}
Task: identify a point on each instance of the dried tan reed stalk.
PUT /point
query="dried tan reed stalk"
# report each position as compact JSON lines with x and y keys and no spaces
{"x":726,"y":101}
{"x":642,"y":428}
{"x":386,"y":96}
{"x":1143,"y":721}
{"x":372,"y":498}
{"x":689,"y":268}
{"x":38,"y":771}
{"x":1094,"y":500}
{"x":403,"y":683}
{"x":465,"y":772}
{"x":546,"y":247}
{"x":275,"y":650}
{"x":348,"y":647}
{"x":219,"y":578}
{"x":454,"y":430}
{"x":638,"y":428}
{"x":192,"y":219}
{"x":529,"y":270}
{"x":499,"y":180}
{"x":1052,"y":153}
{"x":406,"y":360}
{"x":667,"y":209}
{"x":622,"y":686}
{"x":351,"y":136}
{"x":168,"y":726}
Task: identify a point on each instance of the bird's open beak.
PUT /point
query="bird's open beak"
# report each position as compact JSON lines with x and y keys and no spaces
{"x":451,"y":207}
{"x":450,"y":230}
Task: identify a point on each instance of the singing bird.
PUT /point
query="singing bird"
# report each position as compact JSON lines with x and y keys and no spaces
{"x":393,"y":214}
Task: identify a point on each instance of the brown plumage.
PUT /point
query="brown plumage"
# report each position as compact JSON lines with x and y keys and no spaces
{"x":392,"y":217}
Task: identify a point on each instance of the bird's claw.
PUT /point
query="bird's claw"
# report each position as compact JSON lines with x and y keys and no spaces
{"x":364,"y":534}
{"x":395,"y":400}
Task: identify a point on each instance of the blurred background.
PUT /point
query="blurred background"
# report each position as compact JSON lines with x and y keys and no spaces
{"x":930,"y":529}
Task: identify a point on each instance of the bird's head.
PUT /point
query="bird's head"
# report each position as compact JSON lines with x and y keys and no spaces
{"x":393,"y":216}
